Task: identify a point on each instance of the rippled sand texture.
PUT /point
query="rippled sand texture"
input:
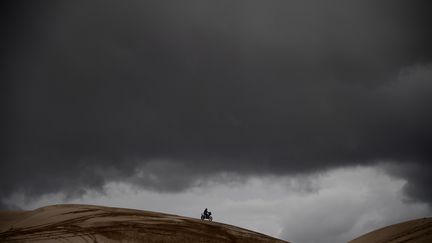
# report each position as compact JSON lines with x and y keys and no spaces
{"x":85,"y":223}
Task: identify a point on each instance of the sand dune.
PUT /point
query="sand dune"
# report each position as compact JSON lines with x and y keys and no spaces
{"x":86,"y":223}
{"x":418,"y":231}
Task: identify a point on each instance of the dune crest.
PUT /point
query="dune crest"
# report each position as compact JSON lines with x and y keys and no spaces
{"x":87,"y":223}
{"x":418,"y":231}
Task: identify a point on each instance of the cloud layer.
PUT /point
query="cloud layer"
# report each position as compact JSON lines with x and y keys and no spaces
{"x":97,"y":92}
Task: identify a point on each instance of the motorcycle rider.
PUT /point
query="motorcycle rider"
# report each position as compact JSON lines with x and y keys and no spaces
{"x":206,"y":212}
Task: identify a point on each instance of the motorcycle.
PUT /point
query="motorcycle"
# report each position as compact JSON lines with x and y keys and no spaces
{"x":206,"y":216}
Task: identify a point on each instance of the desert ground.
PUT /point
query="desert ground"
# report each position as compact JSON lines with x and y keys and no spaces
{"x":415,"y":231}
{"x":87,"y":223}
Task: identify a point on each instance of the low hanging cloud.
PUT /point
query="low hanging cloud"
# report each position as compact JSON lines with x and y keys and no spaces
{"x":99,"y":92}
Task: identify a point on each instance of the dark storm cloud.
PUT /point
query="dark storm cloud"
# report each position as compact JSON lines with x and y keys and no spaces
{"x":98,"y":91}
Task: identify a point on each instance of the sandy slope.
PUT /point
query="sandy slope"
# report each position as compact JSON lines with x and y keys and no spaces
{"x":418,"y":231}
{"x":85,"y":223}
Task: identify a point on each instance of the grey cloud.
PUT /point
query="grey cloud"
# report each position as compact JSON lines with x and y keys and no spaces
{"x":93,"y":91}
{"x":418,"y":180}
{"x":5,"y":206}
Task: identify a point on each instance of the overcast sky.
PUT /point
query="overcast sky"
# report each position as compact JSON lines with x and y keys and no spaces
{"x":294,"y":106}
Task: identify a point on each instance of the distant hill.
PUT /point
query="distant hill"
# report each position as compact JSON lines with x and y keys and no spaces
{"x":87,"y":223}
{"x":415,"y":231}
